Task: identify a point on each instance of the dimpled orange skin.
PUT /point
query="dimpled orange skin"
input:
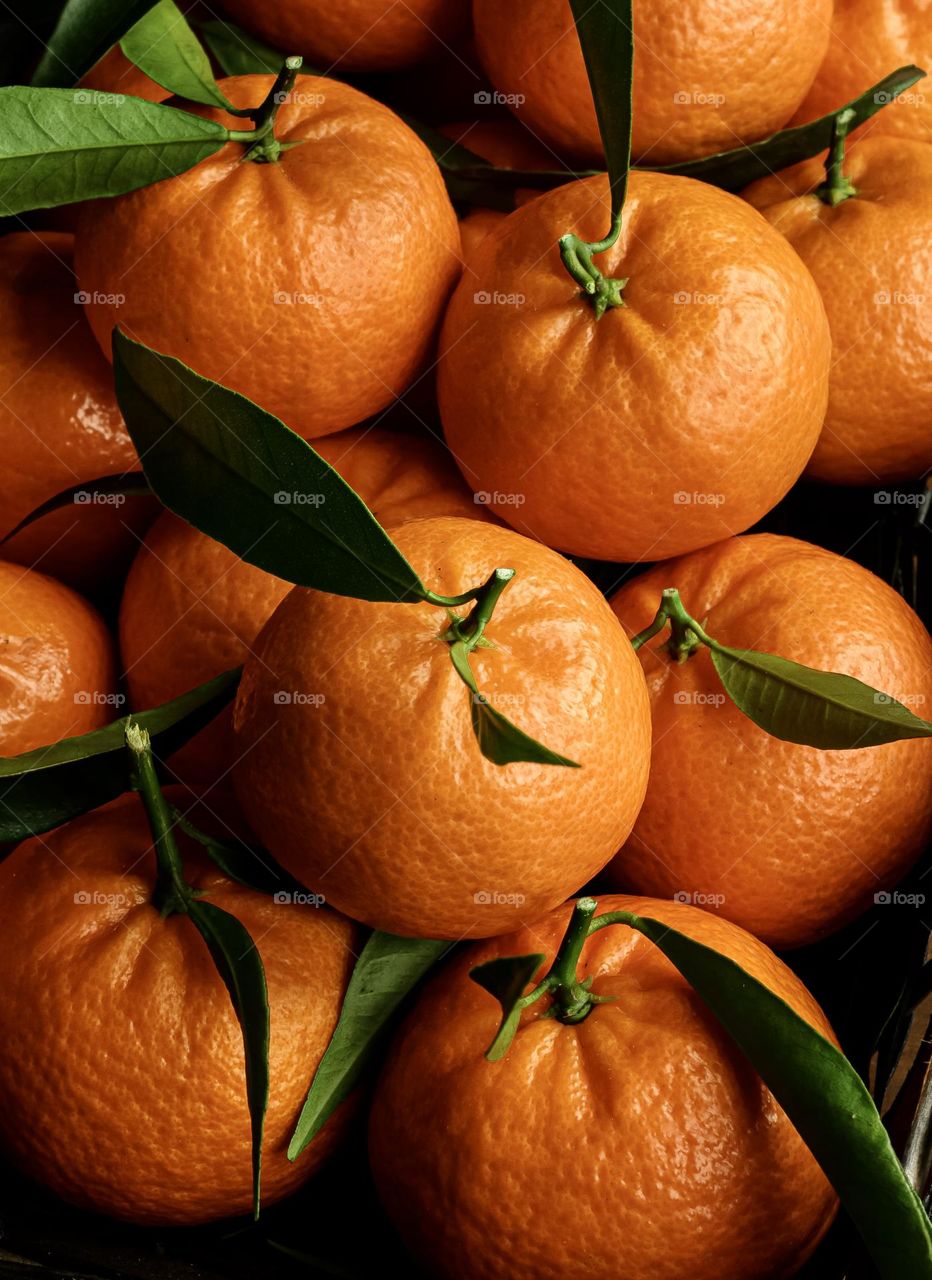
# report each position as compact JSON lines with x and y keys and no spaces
{"x":642,"y":1130}
{"x":708,"y":74}
{"x":370,"y":782}
{"x":59,"y":421}
{"x":57,"y":667}
{"x":868,"y":41}
{"x":121,"y":1059}
{"x":671,"y":422}
{"x":871,"y":257}
{"x":357,"y":35}
{"x":346,"y":248}
{"x":192,"y":609}
{"x":795,"y":839}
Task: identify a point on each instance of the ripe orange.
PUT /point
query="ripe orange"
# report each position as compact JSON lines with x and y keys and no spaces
{"x":868,"y":41}
{"x":347,"y":248}
{"x":674,"y":420}
{"x":192,"y":609}
{"x":871,"y":257}
{"x":357,"y":35}
{"x":59,"y":421}
{"x":121,"y":1059}
{"x":359,"y":770}
{"x":114,"y":73}
{"x":707,"y":75}
{"x":643,"y":1126}
{"x":788,"y":841}
{"x":57,"y":669}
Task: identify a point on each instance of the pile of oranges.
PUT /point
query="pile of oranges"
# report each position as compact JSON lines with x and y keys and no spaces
{"x":439,"y":356}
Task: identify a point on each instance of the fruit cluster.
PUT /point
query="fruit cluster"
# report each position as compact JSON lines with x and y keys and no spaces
{"x":402,"y":706}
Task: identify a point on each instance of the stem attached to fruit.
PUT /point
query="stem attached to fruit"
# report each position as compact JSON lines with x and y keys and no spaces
{"x":261,"y":144}
{"x":601,"y":291}
{"x":172,"y":891}
{"x":686,"y":633}
{"x":836,"y":187}
{"x":469,"y":629}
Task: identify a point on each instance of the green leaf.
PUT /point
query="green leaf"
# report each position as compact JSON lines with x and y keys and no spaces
{"x":388,"y":968}
{"x":247,"y":864}
{"x":85,"y":30}
{"x":240,"y":54}
{"x":815,"y":708}
{"x":606,"y":34}
{"x":163,"y":46}
{"x":820,"y":1092}
{"x":42,"y":788}
{"x":734,"y":170}
{"x":273,"y":500}
{"x":90,"y":493}
{"x":499,"y":740}
{"x":62,"y":145}
{"x":506,"y":978}
{"x":240,"y":966}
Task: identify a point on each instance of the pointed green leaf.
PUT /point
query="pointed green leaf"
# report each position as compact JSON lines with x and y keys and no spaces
{"x":734,"y":170}
{"x":274,"y":501}
{"x":506,"y":978}
{"x":83,"y":33}
{"x":91,"y":493}
{"x":42,"y":788}
{"x":606,"y":34}
{"x":247,"y":864}
{"x":62,"y":145}
{"x":499,"y":740}
{"x":240,"y":54}
{"x":163,"y":46}
{"x":815,"y":708}
{"x":240,"y":966}
{"x":388,"y":968}
{"x":821,"y":1093}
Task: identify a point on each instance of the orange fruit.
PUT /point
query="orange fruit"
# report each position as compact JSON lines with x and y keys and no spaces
{"x":508,"y":145}
{"x":192,"y":609}
{"x":871,"y":257}
{"x":59,"y":421}
{"x":643,"y":1125}
{"x":674,"y":420}
{"x":145,"y":1115}
{"x":114,"y":73}
{"x":868,"y":41}
{"x":707,"y":76}
{"x":360,"y":35}
{"x":57,"y":669}
{"x":347,"y":247}
{"x":787,"y":840}
{"x":357,"y":763}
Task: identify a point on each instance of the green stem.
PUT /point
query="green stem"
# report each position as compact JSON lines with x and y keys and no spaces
{"x":577,"y":254}
{"x":836,"y":187}
{"x":470,"y":628}
{"x":172,"y":891}
{"x":686,"y":633}
{"x":261,"y":144}
{"x":573,"y":1000}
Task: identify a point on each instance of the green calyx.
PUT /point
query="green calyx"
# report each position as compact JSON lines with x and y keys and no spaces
{"x":686,"y":634}
{"x":468,"y":631}
{"x":837,"y":188}
{"x":262,"y":147}
{"x":603,"y":292}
